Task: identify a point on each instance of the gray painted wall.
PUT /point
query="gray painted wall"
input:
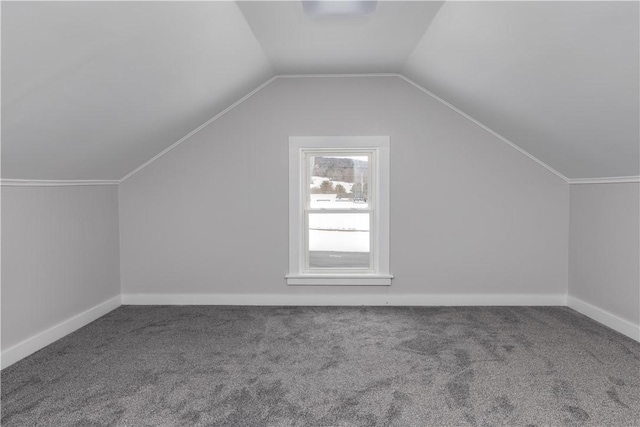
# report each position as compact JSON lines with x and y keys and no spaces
{"x":59,"y":255}
{"x":604,"y":248}
{"x":469,"y":214}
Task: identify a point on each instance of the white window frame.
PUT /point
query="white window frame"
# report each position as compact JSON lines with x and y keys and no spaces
{"x":299,"y":147}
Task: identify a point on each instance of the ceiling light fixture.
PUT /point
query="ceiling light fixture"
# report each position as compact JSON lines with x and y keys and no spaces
{"x":339,"y":7}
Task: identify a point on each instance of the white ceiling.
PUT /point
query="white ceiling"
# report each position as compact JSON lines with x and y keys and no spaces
{"x":298,"y":43}
{"x":559,"y":79}
{"x":91,"y":90}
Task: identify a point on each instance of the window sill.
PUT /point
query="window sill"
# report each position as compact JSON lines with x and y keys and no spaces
{"x":339,"y":279}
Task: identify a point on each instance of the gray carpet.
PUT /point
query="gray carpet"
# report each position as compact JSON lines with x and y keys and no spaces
{"x":330,"y":366}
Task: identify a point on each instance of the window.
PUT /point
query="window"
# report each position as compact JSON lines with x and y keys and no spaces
{"x":339,"y":211}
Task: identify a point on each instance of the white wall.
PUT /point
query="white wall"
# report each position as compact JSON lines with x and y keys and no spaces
{"x":59,"y":259}
{"x":604,"y":253}
{"x":469,"y":214}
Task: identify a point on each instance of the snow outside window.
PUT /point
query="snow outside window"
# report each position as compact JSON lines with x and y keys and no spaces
{"x":339,"y":211}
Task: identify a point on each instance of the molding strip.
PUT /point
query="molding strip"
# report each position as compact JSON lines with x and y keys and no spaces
{"x":609,"y":180}
{"x":49,"y":183}
{"x":486,"y":128}
{"x":44,"y":338}
{"x":299,"y":76}
{"x":198,"y":129}
{"x":54,"y":333}
{"x":381,"y":299}
{"x":605,"y":317}
{"x":324,"y":76}
{"x":54,"y":183}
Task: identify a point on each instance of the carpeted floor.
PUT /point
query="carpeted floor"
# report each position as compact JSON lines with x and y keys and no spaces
{"x":330,"y":366}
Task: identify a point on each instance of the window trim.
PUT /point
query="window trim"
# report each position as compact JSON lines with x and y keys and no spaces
{"x":298,"y":146}
{"x":307,"y":210}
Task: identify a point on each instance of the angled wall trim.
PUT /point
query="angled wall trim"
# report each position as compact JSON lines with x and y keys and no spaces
{"x":486,"y":128}
{"x":301,"y":76}
{"x":52,"y":183}
{"x":238,"y":102}
{"x":198,"y":129}
{"x":610,"y":180}
{"x":55,"y":183}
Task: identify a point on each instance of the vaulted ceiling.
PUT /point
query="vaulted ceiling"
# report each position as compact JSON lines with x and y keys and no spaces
{"x":91,"y":90}
{"x":559,"y":79}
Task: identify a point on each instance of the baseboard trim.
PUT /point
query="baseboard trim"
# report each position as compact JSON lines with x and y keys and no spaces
{"x":29,"y":346}
{"x":348,"y":300}
{"x":198,"y":129}
{"x":39,"y":341}
{"x":605,"y":317}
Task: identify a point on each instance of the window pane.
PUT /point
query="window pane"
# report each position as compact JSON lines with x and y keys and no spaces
{"x":339,"y":182}
{"x":339,"y":240}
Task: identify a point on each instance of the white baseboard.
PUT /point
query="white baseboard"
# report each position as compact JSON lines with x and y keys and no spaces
{"x":605,"y":317}
{"x":42,"y":339}
{"x":54,"y":333}
{"x":347,"y":300}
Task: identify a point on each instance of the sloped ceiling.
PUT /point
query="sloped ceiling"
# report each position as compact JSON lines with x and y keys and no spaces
{"x":92,"y":90}
{"x":559,"y":79}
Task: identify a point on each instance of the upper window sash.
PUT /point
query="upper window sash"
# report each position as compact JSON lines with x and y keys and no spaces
{"x":308,"y":155}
